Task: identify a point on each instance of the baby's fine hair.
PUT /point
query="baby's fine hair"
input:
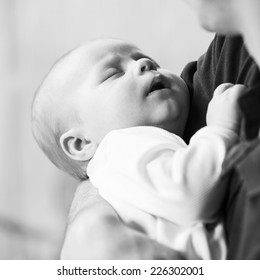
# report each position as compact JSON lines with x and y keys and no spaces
{"x":49,"y":115}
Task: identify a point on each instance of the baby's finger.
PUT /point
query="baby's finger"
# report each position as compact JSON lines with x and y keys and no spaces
{"x":237,"y":90}
{"x":223,"y":87}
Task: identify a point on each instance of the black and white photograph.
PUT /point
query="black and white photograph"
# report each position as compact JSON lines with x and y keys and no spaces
{"x":130,"y":130}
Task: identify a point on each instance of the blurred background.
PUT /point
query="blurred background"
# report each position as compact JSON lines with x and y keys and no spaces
{"x":34,"y":195}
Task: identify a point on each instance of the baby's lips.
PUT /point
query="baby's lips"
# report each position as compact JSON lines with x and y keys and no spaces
{"x":158,"y":82}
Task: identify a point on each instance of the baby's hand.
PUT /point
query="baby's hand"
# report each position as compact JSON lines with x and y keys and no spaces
{"x":223,"y":109}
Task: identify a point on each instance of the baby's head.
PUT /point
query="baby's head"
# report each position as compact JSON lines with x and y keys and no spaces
{"x":101,"y":86}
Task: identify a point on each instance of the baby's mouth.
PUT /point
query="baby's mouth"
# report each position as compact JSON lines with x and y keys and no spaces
{"x":157,"y":84}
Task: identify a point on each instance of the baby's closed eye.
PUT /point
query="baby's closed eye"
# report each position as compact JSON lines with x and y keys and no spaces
{"x":112,"y":73}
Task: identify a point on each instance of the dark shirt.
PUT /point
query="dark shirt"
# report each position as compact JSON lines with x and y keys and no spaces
{"x":227,"y":60}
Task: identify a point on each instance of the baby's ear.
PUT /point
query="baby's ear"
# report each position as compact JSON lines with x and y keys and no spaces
{"x":76,"y":146}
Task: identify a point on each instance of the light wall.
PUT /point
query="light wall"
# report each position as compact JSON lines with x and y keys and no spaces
{"x":34,"y":195}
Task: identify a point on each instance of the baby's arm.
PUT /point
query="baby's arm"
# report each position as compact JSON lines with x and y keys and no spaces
{"x":198,"y":167}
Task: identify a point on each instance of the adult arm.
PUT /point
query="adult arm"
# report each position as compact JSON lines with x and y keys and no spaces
{"x":95,"y":231}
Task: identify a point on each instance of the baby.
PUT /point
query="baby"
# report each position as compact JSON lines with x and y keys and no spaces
{"x":108,"y":112}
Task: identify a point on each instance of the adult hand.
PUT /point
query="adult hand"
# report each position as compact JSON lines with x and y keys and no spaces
{"x":96,"y":232}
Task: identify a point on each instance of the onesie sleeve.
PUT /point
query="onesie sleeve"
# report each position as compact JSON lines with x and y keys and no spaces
{"x":192,"y":174}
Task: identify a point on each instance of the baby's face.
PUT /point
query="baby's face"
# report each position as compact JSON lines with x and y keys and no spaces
{"x":122,"y":87}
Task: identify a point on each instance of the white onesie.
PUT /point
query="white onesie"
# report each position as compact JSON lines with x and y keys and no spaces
{"x":165,"y":188}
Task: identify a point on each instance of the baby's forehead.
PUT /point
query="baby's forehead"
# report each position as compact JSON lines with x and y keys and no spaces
{"x":102,"y":49}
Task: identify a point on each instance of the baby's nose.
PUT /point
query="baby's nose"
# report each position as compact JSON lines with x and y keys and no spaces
{"x":143,"y":65}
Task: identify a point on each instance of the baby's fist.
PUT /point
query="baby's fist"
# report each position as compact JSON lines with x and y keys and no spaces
{"x":223,"y":109}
